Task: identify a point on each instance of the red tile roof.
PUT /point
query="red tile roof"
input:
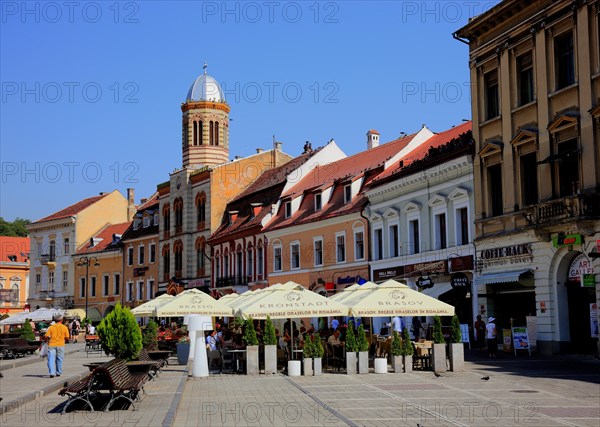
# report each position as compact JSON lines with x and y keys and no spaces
{"x":422,"y":151}
{"x":349,"y":167}
{"x":373,"y":131}
{"x":73,"y":209}
{"x":153,"y":200}
{"x":106,"y":234}
{"x":14,"y":246}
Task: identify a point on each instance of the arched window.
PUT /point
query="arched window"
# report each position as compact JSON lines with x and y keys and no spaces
{"x":217,"y":266}
{"x":200,"y":135}
{"x":178,"y":252}
{"x":178,"y":208}
{"x":226,"y":263}
{"x":166,"y":254}
{"x":195,"y":134}
{"x":250,"y":262}
{"x":216,"y":133}
{"x":167,"y":220}
{"x":200,"y":256}
{"x":201,"y":210}
{"x":260,"y":260}
{"x":15,"y":300}
{"x":211,"y":134}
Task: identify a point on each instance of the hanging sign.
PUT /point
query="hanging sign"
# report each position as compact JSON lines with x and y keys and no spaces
{"x":459,"y":280}
{"x":580,"y":266}
{"x":568,"y":240}
{"x":424,"y":282}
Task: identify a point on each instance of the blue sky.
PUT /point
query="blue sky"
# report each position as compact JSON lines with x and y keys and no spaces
{"x":91,"y":91}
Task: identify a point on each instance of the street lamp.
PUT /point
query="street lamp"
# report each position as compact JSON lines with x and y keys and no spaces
{"x":86,"y":261}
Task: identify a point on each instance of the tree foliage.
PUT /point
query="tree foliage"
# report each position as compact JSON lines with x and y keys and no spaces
{"x":308,"y":349}
{"x":456,"y":336}
{"x":15,"y":228}
{"x":318,"y":350}
{"x":120,"y":334}
{"x":250,"y":333}
{"x":396,"y":345}
{"x":407,"y":347}
{"x":361,"y":339}
{"x":351,"y":344}
{"x":438,"y":337}
{"x":27,"y":331}
{"x":270,"y":337}
{"x":150,"y":335}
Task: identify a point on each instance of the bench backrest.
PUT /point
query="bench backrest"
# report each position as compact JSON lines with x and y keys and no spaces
{"x":16,"y":342}
{"x":116,"y":373}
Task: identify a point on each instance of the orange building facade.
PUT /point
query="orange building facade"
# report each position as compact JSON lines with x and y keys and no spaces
{"x":14,"y":274}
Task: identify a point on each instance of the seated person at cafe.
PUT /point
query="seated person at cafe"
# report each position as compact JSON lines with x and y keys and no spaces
{"x":211,"y":341}
{"x":335,"y":342}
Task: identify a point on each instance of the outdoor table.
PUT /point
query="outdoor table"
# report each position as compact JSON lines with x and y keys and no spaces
{"x":236,"y":357}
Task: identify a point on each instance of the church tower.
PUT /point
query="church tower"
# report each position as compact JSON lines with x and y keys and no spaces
{"x":205,"y":124}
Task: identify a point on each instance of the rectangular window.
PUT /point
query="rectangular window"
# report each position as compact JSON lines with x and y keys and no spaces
{"x":440,"y":231}
{"x":277,"y":258}
{"x":38,"y":279}
{"x":359,"y":245}
{"x":129,"y":256}
{"x":250,"y":263}
{"x":150,"y":290}
{"x":378,"y":244}
{"x":413,"y":229}
{"x":117,"y":282}
{"x":140,"y":289}
{"x":394,"y":246}
{"x":568,"y":168}
{"x":492,"y":101}
{"x":340,"y":243}
{"x":92,"y":286}
{"x":82,"y":287}
{"x":65,"y":281}
{"x":347,"y":193}
{"x":141,"y":254}
{"x":129,"y":291}
{"x":288,"y":209}
{"x":564,"y":60}
{"x":51,"y":280}
{"x":152,"y":252}
{"x":525,"y":78}
{"x":259,"y":261}
{"x":318,"y":202}
{"x":495,"y":189}
{"x":105,"y":285}
{"x":318,"y":245}
{"x":295,"y":255}
{"x":529,"y":180}
{"x":66,"y":247}
{"x":462,"y":222}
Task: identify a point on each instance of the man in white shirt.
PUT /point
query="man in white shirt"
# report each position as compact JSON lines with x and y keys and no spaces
{"x":396,"y":324}
{"x":92,"y":329}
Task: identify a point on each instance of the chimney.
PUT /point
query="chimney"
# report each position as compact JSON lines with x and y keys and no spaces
{"x":130,"y":203}
{"x":372,"y":139}
{"x":142,"y":201}
{"x":259,"y":150}
{"x":278,"y":146}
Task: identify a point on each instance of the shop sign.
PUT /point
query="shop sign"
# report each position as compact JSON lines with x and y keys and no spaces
{"x":514,"y":254}
{"x":567,"y":240}
{"x":425,"y":282}
{"x":588,"y":281}
{"x":461,"y":263}
{"x":580,"y":266}
{"x":388,"y":273}
{"x":431,"y":267}
{"x":347,"y":279}
{"x":459,"y":280}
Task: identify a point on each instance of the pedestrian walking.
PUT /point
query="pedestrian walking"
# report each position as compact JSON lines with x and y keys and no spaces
{"x":479,"y":332}
{"x":56,"y":336}
{"x":75,"y":330}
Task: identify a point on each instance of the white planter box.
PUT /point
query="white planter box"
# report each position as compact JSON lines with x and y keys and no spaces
{"x":317,"y":366}
{"x":397,"y":364}
{"x":381,"y":366}
{"x":270,"y":359}
{"x":457,"y":357}
{"x":308,"y":368}
{"x":363,"y":362}
{"x":408,"y":364}
{"x":439,"y":358}
{"x":294,"y":368}
{"x":252,"y":360}
{"x":351,"y":363}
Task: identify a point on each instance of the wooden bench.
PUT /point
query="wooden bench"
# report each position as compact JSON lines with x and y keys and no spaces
{"x":115,"y":377}
{"x":79,"y":390}
{"x":144,"y":356}
{"x":18,"y":347}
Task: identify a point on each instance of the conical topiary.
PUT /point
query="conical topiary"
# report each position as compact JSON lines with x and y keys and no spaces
{"x":438,"y":337}
{"x":120,"y":334}
{"x":27,"y":331}
{"x":361,"y":339}
{"x":250,"y":333}
{"x":456,"y":336}
{"x":351,"y":345}
{"x":308,"y":349}
{"x":396,"y":345}
{"x":150,"y":335}
{"x":270,"y":337}
{"x":318,"y":350}
{"x":407,"y":346}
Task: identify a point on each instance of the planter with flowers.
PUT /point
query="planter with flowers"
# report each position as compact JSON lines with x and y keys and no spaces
{"x":183,"y":350}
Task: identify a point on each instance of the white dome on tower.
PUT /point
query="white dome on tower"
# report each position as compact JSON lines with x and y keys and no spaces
{"x":205,"y":88}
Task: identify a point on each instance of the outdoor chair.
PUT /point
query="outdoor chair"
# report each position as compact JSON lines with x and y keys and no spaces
{"x":215,"y":360}
{"x":333,"y":361}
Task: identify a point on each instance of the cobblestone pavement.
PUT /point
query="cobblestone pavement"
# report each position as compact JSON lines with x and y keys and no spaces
{"x":544,"y":392}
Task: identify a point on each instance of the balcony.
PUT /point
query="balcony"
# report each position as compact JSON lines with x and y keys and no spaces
{"x":581,"y":206}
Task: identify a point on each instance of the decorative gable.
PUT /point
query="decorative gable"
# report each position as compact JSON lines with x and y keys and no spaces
{"x":411,"y":207}
{"x":524,"y":136}
{"x":564,"y":120}
{"x":491,"y":147}
{"x":595,"y":112}
{"x":376,"y":216}
{"x":391,"y":212}
{"x":458,"y":193}
{"x":437,"y":200}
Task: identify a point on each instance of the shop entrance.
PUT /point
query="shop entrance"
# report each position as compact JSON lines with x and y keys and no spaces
{"x":515,"y":305}
{"x":579,"y":318}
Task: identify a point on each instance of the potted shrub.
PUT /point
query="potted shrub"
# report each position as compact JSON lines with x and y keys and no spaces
{"x":270,"y":342}
{"x":307,"y":353}
{"x":439,"y":346}
{"x":251,"y":348}
{"x":407,"y":351}
{"x":363,"y":350}
{"x":318,"y":352}
{"x":396,"y":351}
{"x":150,"y":336}
{"x":27,"y":331}
{"x":351,"y":349}
{"x":183,"y":350}
{"x":120,"y":335}
{"x":457,"y":349}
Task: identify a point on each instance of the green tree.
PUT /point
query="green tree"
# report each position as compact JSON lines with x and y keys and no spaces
{"x":361,"y":339}
{"x":270,"y":337}
{"x":318,"y":350}
{"x":407,"y":346}
{"x":438,"y":337}
{"x":396,"y":345}
{"x":308,"y":349}
{"x":351,"y":345}
{"x":120,"y":334}
{"x":17,"y":228}
{"x":456,"y":336}
{"x":27,"y":332}
{"x":250,"y":333}
{"x":150,"y":336}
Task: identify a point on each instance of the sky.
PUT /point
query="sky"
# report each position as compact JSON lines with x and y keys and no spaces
{"x":91,"y":92}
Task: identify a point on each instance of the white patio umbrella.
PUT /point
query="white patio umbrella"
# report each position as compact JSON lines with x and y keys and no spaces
{"x":193,"y":301}
{"x":46,"y":314}
{"x":148,"y":308}
{"x":16,"y":319}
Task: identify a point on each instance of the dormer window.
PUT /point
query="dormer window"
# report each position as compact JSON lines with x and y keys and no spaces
{"x":288,"y":209}
{"x":318,"y":203}
{"x":146,"y":221}
{"x":347,"y":193}
{"x":156,"y":217}
{"x":232,"y":216}
{"x":136,"y":223}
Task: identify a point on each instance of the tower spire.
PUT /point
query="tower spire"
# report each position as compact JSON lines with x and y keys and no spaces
{"x":205,"y":67}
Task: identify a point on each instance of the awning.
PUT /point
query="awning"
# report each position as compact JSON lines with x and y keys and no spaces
{"x":504,"y":277}
{"x":437,"y":290}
